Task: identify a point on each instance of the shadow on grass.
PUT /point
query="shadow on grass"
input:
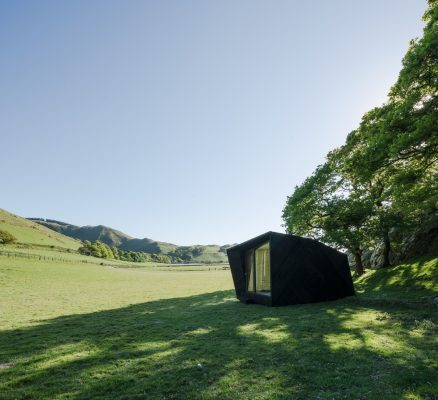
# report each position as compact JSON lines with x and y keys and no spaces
{"x":211,"y":346}
{"x":421,"y":275}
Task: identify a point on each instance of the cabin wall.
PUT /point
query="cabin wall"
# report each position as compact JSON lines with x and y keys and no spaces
{"x":308,"y":271}
{"x":282,"y":251}
{"x":302,"y":271}
{"x":236,"y":265}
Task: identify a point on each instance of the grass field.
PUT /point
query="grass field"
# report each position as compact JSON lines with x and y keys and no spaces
{"x":82,"y":331}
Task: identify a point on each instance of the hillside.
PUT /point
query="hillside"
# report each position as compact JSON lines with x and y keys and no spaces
{"x":406,"y":282}
{"x":106,"y":235}
{"x":115,"y":238}
{"x":148,"y":246}
{"x":31,"y":233}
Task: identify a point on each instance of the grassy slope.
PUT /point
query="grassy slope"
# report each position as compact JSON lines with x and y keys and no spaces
{"x":413,"y":282}
{"x":28,"y":232}
{"x":112,"y":237}
{"x":85,"y":331}
{"x":211,"y":253}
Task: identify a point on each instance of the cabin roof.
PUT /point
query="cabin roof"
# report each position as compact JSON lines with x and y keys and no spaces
{"x":256,"y":240}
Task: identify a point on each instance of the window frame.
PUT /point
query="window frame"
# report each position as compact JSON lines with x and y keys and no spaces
{"x":253,"y":269}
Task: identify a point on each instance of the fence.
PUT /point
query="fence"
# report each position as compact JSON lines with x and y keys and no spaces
{"x":13,"y":254}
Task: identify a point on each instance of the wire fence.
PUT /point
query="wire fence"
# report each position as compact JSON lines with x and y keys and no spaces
{"x":13,"y":254}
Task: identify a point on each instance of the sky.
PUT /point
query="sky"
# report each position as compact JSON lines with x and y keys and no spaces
{"x":185,"y":121}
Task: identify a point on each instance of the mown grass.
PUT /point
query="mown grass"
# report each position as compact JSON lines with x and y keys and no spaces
{"x":83,"y":331}
{"x":34,"y":290}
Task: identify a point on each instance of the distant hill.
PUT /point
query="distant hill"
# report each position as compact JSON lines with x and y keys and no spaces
{"x":148,"y":246}
{"x":106,"y":235}
{"x":29,"y":232}
{"x":115,"y":238}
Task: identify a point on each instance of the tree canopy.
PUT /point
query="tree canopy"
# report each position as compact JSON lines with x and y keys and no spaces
{"x":382,"y":183}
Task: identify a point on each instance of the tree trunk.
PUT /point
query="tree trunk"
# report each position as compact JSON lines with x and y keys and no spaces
{"x":358,"y":260}
{"x":386,"y":249}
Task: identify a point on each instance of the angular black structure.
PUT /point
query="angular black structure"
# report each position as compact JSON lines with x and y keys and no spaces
{"x":277,"y":269}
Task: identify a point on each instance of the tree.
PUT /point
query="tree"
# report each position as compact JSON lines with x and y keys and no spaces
{"x":393,"y":154}
{"x":115,"y":252}
{"x":6,"y":237}
{"x":383,"y":182}
{"x":325,"y":207}
{"x":359,"y":162}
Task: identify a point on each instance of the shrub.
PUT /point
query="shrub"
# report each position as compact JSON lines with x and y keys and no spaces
{"x":6,"y":237}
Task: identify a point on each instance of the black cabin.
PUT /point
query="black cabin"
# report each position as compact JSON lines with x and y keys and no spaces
{"x":277,"y":269}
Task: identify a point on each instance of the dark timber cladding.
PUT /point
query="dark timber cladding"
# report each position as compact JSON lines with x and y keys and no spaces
{"x":277,"y":269}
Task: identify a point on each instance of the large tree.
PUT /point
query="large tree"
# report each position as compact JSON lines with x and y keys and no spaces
{"x":383,"y":183}
{"x":325,"y":207}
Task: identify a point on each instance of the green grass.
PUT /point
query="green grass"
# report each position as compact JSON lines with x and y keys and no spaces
{"x":31,"y":233}
{"x":83,"y":331}
{"x":34,"y":290}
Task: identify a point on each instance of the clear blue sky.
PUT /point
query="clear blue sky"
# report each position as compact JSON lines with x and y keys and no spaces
{"x":185,"y":121}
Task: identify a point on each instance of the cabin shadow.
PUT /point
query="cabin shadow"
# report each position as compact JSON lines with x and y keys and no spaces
{"x":210,"y":346}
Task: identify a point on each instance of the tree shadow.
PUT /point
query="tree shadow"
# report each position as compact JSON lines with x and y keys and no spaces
{"x":417,"y":280}
{"x":211,"y":346}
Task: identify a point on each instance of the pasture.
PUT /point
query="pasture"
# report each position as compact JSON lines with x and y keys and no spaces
{"x":70,"y":330}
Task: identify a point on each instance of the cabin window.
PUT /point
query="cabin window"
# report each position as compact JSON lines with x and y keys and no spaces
{"x":258,"y":269}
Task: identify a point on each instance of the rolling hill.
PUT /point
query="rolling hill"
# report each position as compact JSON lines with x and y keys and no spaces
{"x":31,"y":233}
{"x":106,"y":235}
{"x":115,"y":238}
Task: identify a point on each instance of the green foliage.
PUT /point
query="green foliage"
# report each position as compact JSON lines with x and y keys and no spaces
{"x":6,"y":237}
{"x":101,"y":250}
{"x":96,"y":249}
{"x":382,"y":183}
{"x":186,"y":253}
